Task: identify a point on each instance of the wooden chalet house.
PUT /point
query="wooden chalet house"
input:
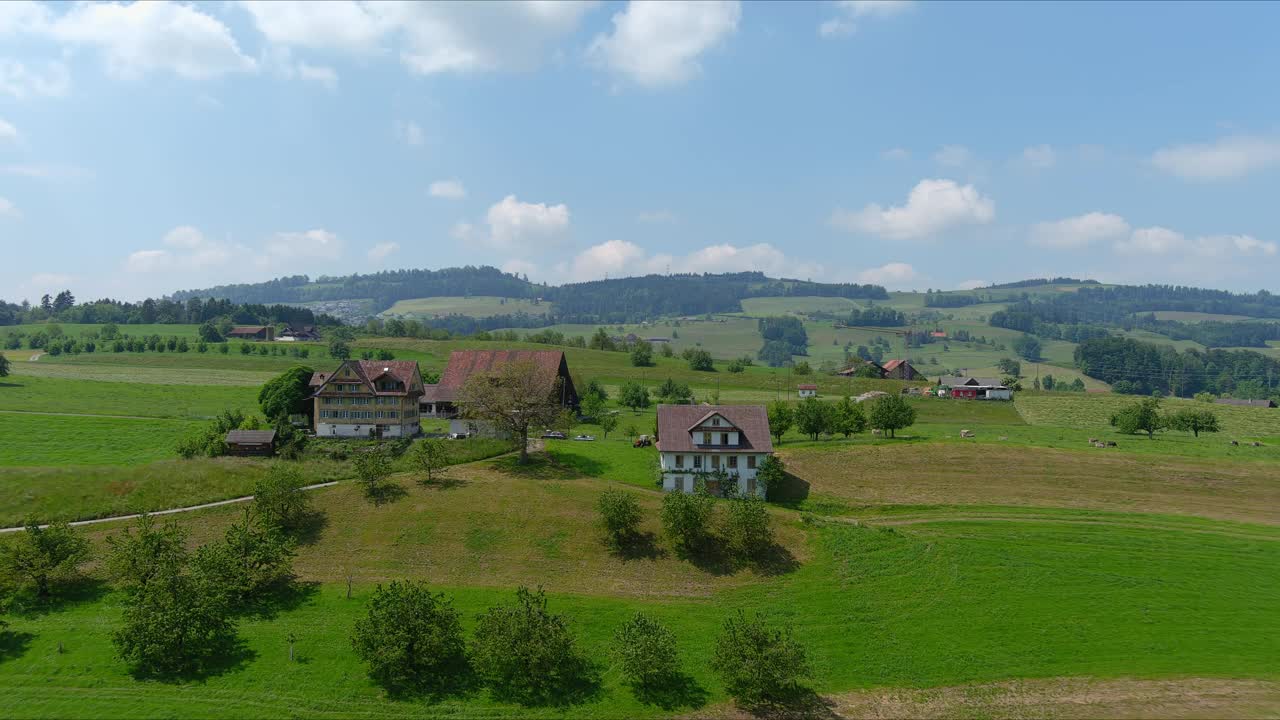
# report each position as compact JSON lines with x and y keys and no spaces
{"x":709,"y":442}
{"x":368,"y":398}
{"x":252,"y":332}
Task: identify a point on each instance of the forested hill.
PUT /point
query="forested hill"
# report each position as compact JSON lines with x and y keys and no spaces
{"x":616,"y":300}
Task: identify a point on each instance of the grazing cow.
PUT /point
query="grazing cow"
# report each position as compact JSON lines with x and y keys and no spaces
{"x":1111,"y":443}
{"x":1233,"y":442}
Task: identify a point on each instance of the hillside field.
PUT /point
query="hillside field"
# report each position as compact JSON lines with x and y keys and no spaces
{"x":478,"y":306}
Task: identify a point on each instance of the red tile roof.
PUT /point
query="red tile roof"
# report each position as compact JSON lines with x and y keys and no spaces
{"x":751,"y":421}
{"x":892,"y":364}
{"x":465,"y":363}
{"x":807,"y":387}
{"x":406,"y":371}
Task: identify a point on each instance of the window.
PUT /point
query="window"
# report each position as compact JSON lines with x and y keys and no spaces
{"x":733,"y":461}
{"x":724,"y":438}
{"x":751,"y":461}
{"x":679,"y":461}
{"x":697,"y":462}
{"x":715,"y":421}
{"x":715,"y":462}
{"x":706,"y":438}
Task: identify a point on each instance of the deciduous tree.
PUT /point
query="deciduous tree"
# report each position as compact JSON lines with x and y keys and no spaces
{"x":1194,"y":421}
{"x":686,"y":518}
{"x":619,"y":516}
{"x":517,"y":396}
{"x":781,"y":418}
{"x":279,"y":499}
{"x":432,"y":457}
{"x":410,"y":638}
{"x":758,"y":662}
{"x":634,"y":395}
{"x":848,"y":417}
{"x":814,"y":417}
{"x":891,"y":413}
{"x":645,"y":651}
{"x":1142,"y":416}
{"x":43,"y":556}
{"x":286,"y":394}
{"x":746,"y":529}
{"x":526,"y":653}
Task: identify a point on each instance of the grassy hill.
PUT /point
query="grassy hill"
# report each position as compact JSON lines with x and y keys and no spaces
{"x":483,"y":306}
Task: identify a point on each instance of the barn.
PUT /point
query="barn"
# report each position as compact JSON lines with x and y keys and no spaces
{"x":251,"y":443}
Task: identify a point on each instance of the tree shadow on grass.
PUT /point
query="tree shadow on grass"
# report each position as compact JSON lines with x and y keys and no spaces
{"x":79,"y":591}
{"x":576,"y":685}
{"x":639,"y":546}
{"x":11,"y":384}
{"x":675,"y":692}
{"x":232,"y":656}
{"x":542,"y":466}
{"x":385,"y":494}
{"x":711,"y":557}
{"x":458,"y":682}
{"x":14,"y":645}
{"x":791,"y":490}
{"x":444,"y":483}
{"x":284,"y":597}
{"x":803,"y":703}
{"x":310,"y":527}
{"x":775,"y":560}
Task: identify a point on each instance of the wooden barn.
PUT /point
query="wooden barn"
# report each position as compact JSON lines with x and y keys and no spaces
{"x":251,"y":443}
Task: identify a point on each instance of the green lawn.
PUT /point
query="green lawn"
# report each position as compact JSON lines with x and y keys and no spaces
{"x":76,"y":330}
{"x":21,"y":391}
{"x":1094,"y":411}
{"x":33,"y":440}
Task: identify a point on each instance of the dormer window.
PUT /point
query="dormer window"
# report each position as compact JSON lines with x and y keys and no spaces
{"x":715,"y":421}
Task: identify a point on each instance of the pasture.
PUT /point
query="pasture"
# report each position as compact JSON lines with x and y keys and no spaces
{"x":476,"y":306}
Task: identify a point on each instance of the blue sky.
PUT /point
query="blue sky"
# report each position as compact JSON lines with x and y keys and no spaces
{"x":153,"y":147}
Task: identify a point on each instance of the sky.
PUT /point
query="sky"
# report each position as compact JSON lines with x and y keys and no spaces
{"x":152,"y":147}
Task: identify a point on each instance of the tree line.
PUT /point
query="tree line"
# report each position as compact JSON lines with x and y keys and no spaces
{"x":1136,"y":367}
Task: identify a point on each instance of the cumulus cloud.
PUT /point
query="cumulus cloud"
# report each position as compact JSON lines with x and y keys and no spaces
{"x":659,"y":42}
{"x":894,"y":274}
{"x":8,"y":133}
{"x":319,"y":74}
{"x":613,"y":258}
{"x":144,"y":261}
{"x":1079,"y":231}
{"x":184,"y":236}
{"x":145,"y":37}
{"x":21,"y":82}
{"x":850,"y":11}
{"x":620,"y":258}
{"x":8,"y":209}
{"x":1223,"y":159}
{"x":512,"y":223}
{"x":934,"y":205}
{"x":316,"y":244}
{"x":1039,"y":157}
{"x":1152,"y":241}
{"x":382,"y":250}
{"x":448,"y":189}
{"x":330,"y":25}
{"x":22,"y":16}
{"x":1159,"y":241}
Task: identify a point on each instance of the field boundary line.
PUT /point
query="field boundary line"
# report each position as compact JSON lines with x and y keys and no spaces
{"x":170,"y":511}
{"x":96,"y":415}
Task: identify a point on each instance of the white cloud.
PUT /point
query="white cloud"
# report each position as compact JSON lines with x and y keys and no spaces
{"x":762,"y":256}
{"x":520,"y":267}
{"x":8,"y":209}
{"x":1223,"y":159}
{"x":321,"y":74}
{"x":310,"y":244}
{"x":894,"y":274}
{"x":932,"y":206}
{"x":954,"y":156}
{"x":144,"y":37}
{"x":658,"y":42}
{"x":1194,"y":252}
{"x":513,"y":223}
{"x":1218,"y":245}
{"x":850,"y":11}
{"x":8,"y":132}
{"x":972,"y":284}
{"x":1079,"y":231}
{"x":896,"y":154}
{"x":614,"y":258}
{"x":144,"y":261}
{"x":449,"y":189}
{"x":657,"y":217}
{"x":410,"y":133}
{"x":22,"y":16}
{"x":382,"y":250}
{"x":1152,"y":241}
{"x":330,"y":25}
{"x":620,"y":258}
{"x":185,"y":237}
{"x":1039,"y":157}
{"x":20,"y":82}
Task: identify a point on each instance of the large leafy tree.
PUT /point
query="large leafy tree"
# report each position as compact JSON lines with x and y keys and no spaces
{"x":279,"y":499}
{"x":758,"y":662}
{"x":848,"y":417}
{"x":781,"y":418}
{"x":634,"y":395}
{"x":410,"y":638}
{"x":1140,"y":417}
{"x":642,"y":354}
{"x":286,"y":393}
{"x":135,"y":559}
{"x":814,"y":417}
{"x":526,"y":653}
{"x":1194,"y":421}
{"x":516,"y":397}
{"x":686,"y":518}
{"x":746,"y":529}
{"x":250,"y":559}
{"x":619,"y":516}
{"x":645,"y":651}
{"x":174,"y":625}
{"x":772,"y":473}
{"x":43,"y":557}
{"x":4,"y":366}
{"x":891,"y":413}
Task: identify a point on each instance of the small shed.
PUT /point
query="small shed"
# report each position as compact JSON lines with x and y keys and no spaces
{"x":807,"y":391}
{"x":1245,"y":403}
{"x":244,"y":443}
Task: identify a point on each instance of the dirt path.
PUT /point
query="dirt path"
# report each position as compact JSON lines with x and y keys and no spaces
{"x":171,"y":511}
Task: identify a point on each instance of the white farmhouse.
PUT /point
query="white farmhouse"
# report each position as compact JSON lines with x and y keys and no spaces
{"x":700,"y":441}
{"x":808,"y":391}
{"x":368,"y":398}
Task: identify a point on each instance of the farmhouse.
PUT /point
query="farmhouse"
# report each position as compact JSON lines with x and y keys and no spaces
{"x":440,"y":400}
{"x":712,"y":443}
{"x":1245,"y":403}
{"x":251,"y":442}
{"x":300,"y":333}
{"x":368,"y":398}
{"x":808,"y":391}
{"x":252,"y":332}
{"x":901,"y":370}
{"x":974,"y":388}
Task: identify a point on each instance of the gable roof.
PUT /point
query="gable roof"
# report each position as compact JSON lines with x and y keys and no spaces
{"x":250,"y":437}
{"x":247,"y":329}
{"x":465,"y":363}
{"x":676,"y":421}
{"x":893,"y":364}
{"x":965,"y":380}
{"x":807,"y":387}
{"x":1245,"y":403}
{"x":707,"y":417}
{"x":366,"y":371}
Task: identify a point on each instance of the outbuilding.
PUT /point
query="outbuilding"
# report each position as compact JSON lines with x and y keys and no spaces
{"x":808,"y":391}
{"x":246,"y":443}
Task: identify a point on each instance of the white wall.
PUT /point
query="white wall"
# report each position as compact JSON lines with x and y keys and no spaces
{"x":682,"y":478}
{"x":351,"y":430}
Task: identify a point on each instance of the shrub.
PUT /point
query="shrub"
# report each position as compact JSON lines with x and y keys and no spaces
{"x":699,"y":360}
{"x":619,"y":515}
{"x":248,"y":562}
{"x":372,"y":469}
{"x":759,"y":664}
{"x":645,"y":651}
{"x":772,"y":473}
{"x":526,"y":653}
{"x":409,"y":638}
{"x":685,"y":518}
{"x":279,"y":499}
{"x":746,"y":528}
